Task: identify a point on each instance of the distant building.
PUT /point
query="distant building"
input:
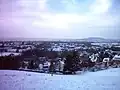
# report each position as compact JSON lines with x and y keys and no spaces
{"x":116,"y":49}
{"x":106,"y":59}
{"x":46,"y":66}
{"x":9,"y":53}
{"x":93,"y":57}
{"x":116,"y":60}
{"x":11,"y":50}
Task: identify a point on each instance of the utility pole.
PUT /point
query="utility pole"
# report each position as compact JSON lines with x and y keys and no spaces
{"x":1,"y":51}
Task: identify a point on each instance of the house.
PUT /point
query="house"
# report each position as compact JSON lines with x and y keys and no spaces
{"x":3,"y":49}
{"x":106,"y":61}
{"x":115,"y":49}
{"x":116,"y":60}
{"x":94,"y":57}
{"x":46,"y":66}
{"x":40,"y":67}
{"x":11,"y":50}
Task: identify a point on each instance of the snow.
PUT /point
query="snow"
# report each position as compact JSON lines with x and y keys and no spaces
{"x":12,"y":50}
{"x":116,"y":57}
{"x":20,"y":80}
{"x":57,"y":49}
{"x":8,"y":53}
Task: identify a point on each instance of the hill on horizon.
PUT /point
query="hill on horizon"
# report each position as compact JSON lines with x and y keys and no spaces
{"x":89,"y":39}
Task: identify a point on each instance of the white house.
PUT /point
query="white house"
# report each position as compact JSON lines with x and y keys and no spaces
{"x":46,"y":66}
{"x":40,"y":66}
{"x":94,"y":57}
{"x":106,"y":59}
{"x":116,"y":58}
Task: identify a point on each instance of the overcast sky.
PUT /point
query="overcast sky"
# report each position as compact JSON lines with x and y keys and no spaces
{"x":60,"y":18}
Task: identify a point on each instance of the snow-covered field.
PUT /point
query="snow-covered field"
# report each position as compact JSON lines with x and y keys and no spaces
{"x":8,"y":53}
{"x":20,"y":80}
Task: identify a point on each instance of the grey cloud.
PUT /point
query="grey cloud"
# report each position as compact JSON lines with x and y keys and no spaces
{"x":15,"y":23}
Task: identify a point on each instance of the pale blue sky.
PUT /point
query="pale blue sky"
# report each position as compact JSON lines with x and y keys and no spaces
{"x":60,"y":18}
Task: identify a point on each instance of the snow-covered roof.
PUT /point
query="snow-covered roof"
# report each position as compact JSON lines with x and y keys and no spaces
{"x":117,"y":46}
{"x":106,"y":59}
{"x":9,"y":53}
{"x":116,"y":57}
{"x":57,"y":49}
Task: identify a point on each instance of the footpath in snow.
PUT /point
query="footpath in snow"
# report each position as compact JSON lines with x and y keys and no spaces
{"x":21,"y":80}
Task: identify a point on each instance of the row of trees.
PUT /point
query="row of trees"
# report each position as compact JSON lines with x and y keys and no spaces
{"x":40,"y":53}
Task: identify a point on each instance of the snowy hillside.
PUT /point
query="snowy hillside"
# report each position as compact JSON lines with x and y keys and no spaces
{"x":19,"y":80}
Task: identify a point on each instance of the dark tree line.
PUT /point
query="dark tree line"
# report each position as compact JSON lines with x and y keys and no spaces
{"x":40,"y":53}
{"x":10,"y":62}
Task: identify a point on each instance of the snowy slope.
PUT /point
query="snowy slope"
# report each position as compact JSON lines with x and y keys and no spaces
{"x":19,"y":80}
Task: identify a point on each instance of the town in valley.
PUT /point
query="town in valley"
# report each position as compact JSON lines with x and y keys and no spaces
{"x":59,"y":56}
